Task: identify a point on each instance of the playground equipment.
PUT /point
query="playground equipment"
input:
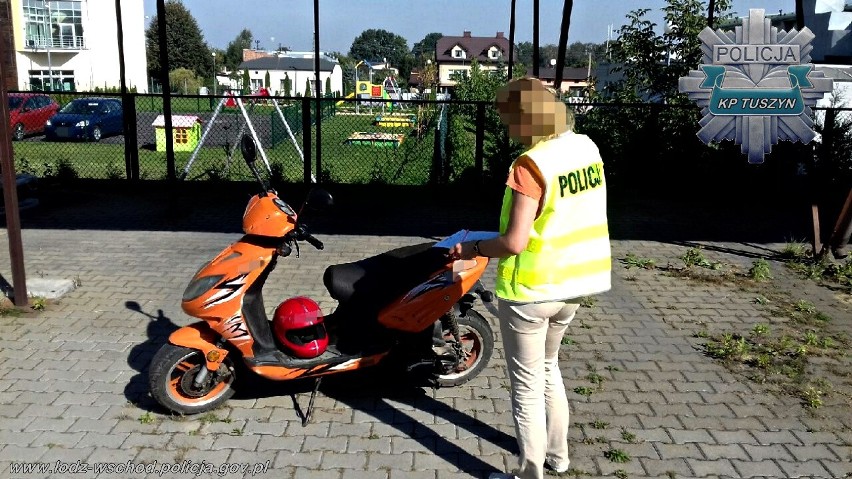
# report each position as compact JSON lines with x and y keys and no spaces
{"x":396,"y":120}
{"x":341,"y":102}
{"x":388,"y":92}
{"x":393,"y":91}
{"x":230,"y":148}
{"x":186,"y":131}
{"x":375,"y":139}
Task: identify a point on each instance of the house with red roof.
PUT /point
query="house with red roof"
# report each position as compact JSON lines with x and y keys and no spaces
{"x":453,"y":55}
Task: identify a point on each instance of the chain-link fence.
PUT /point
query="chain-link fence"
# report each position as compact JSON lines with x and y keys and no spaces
{"x":379,"y":141}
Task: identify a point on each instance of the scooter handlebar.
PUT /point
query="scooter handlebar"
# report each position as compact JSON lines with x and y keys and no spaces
{"x":301,"y":234}
{"x":314,"y":242}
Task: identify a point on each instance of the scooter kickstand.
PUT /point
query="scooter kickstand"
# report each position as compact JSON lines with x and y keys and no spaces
{"x":310,"y":411}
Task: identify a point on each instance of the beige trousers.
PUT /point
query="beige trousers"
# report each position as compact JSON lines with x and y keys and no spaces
{"x":532,"y":334}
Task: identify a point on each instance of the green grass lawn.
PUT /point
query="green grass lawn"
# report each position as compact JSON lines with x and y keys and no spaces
{"x":409,"y":164}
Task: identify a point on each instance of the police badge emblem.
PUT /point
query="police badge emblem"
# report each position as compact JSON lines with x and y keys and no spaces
{"x":756,"y":86}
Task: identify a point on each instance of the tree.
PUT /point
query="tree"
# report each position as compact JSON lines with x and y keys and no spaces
{"x":184,"y":43}
{"x":246,"y":82}
{"x":266,"y":80}
{"x":288,"y":85}
{"x":307,"y":87}
{"x":184,"y":81}
{"x":652,"y":63}
{"x":328,"y":85}
{"x":234,"y":52}
{"x":425,"y":48}
{"x":576,"y":54}
{"x":429,"y":79}
{"x":375,"y":45}
{"x":500,"y":150}
{"x":347,"y":67}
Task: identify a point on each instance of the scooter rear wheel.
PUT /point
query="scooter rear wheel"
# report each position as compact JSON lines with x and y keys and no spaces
{"x":477,"y":340}
{"x":171,"y":378}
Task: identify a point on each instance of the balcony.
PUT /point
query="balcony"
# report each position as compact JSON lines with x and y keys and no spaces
{"x":56,"y":42}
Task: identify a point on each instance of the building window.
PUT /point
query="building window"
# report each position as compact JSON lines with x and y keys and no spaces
{"x":63,"y":80}
{"x":457,"y":74}
{"x":493,"y":53}
{"x":53,"y":24}
{"x":181,"y":135}
{"x":458,"y":52}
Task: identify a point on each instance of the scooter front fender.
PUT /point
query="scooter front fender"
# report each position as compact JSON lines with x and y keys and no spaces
{"x":199,"y":336}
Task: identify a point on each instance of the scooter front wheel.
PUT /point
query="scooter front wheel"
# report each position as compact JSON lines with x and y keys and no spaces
{"x":477,"y":342}
{"x":172,"y":379}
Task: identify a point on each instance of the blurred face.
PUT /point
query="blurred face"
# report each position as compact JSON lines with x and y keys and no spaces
{"x":530,"y":111}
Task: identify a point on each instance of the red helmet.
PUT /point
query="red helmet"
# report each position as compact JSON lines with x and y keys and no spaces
{"x":297,"y":323}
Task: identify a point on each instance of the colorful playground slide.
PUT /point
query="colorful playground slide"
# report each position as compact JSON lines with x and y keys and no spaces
{"x":351,"y":95}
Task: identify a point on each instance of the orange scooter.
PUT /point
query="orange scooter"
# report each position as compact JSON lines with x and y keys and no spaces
{"x":410,"y":307}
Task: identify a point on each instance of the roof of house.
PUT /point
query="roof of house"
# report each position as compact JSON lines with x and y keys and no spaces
{"x":178,"y":121}
{"x":285,"y":63}
{"x":476,"y":47}
{"x":838,"y":73}
{"x":568,"y":73}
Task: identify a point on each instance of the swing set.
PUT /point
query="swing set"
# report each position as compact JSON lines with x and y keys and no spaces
{"x":245,"y":123}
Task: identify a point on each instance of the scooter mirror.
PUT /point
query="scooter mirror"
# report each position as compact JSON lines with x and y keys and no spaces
{"x":248,"y":149}
{"x":319,"y":198}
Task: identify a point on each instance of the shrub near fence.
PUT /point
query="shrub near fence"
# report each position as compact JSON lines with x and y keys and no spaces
{"x":437,"y":142}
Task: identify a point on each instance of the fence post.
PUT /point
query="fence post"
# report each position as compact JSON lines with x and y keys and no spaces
{"x":829,"y":128}
{"x":480,"y":140}
{"x":306,"y":138}
{"x":318,"y":122}
{"x":437,"y":174}
{"x":131,"y":139}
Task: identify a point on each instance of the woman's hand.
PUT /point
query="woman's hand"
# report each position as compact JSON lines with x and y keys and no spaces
{"x":462,"y":251}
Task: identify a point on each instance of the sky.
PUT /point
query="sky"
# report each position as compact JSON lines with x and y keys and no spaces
{"x":290,"y":22}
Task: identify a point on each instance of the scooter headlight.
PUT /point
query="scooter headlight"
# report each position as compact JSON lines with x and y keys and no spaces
{"x":199,"y":286}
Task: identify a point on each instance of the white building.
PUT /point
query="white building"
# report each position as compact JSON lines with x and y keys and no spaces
{"x":75,"y":43}
{"x":298,"y":67}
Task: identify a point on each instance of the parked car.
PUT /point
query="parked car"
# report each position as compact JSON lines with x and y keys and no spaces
{"x":28,"y":113}
{"x":86,"y":119}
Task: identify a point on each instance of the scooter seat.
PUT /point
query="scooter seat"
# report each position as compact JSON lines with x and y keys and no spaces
{"x":376,"y":281}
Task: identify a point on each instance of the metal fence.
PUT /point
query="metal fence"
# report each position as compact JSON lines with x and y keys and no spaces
{"x":383,"y":141}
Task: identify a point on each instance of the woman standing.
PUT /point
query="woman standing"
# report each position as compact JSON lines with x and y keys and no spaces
{"x":553,"y":248}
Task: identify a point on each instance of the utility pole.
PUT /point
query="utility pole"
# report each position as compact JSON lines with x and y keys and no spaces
{"x":710,"y":11}
{"x":512,"y":40}
{"x":800,"y":15}
{"x":317,"y":99}
{"x":589,"y":73}
{"x":535,"y":58}
{"x":10,"y":189}
{"x":48,"y":43}
{"x":563,"y":42}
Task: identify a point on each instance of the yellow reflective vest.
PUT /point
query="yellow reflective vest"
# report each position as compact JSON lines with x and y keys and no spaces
{"x":568,"y":254}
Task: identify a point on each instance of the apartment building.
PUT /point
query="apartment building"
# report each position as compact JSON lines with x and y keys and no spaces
{"x":72,"y":45}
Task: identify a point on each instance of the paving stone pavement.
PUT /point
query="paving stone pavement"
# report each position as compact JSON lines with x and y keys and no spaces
{"x":73,"y":385}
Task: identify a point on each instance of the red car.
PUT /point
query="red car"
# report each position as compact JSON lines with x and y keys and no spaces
{"x":28,"y":112}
